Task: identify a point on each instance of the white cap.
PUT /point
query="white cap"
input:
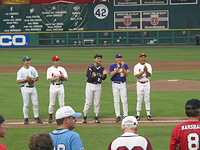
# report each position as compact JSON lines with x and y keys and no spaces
{"x":66,"y":111}
{"x":130,"y":120}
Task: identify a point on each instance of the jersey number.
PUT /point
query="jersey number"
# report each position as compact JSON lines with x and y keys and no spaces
{"x":193,"y":141}
{"x":134,"y":148}
{"x":60,"y":147}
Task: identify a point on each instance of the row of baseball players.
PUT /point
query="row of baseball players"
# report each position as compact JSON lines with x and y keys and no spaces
{"x":185,"y":136}
{"x":95,"y":74}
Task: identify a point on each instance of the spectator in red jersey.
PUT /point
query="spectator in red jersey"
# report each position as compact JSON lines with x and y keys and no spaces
{"x":3,"y":129}
{"x":186,"y":135}
{"x":130,"y":140}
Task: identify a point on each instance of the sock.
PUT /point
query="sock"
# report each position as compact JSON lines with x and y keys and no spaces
{"x":138,"y":113}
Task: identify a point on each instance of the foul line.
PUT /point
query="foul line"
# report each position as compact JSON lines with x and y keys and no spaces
{"x":103,"y":122}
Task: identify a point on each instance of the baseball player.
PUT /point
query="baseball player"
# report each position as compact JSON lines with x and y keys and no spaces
{"x":64,"y":138}
{"x":118,"y":72}
{"x":130,"y":140}
{"x":95,"y":74}
{"x":28,"y":91}
{"x":143,"y":72}
{"x":56,"y":75}
{"x":186,"y":136}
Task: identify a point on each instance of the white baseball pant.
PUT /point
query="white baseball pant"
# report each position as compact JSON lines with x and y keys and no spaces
{"x":92,"y":90}
{"x":27,"y":93}
{"x":143,"y":90}
{"x":53,"y":92}
{"x":119,"y":90}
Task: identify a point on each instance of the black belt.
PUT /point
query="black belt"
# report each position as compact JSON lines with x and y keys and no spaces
{"x":57,"y":83}
{"x":142,"y":82}
{"x":94,"y":82}
{"x":29,"y":86}
{"x":118,"y":82}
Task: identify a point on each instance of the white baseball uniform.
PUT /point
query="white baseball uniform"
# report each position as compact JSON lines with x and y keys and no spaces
{"x":28,"y":91}
{"x":130,"y":141}
{"x":56,"y":87}
{"x":143,"y":86}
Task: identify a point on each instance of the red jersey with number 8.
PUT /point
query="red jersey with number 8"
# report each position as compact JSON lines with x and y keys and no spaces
{"x":187,"y":135}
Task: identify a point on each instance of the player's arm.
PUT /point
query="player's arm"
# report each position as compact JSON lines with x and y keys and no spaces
{"x":147,"y":72}
{"x":115,"y":71}
{"x":105,"y":72}
{"x":126,"y":72}
{"x":22,"y":80}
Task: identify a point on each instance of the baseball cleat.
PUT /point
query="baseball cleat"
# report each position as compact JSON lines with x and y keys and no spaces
{"x":137,"y":117}
{"x":50,"y":119}
{"x":96,"y":120}
{"x":26,"y":121}
{"x":118,"y":119}
{"x":38,"y":120}
{"x":85,"y":119}
{"x":149,"y":117}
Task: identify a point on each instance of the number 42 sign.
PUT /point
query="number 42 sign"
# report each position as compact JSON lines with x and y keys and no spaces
{"x":101,"y":11}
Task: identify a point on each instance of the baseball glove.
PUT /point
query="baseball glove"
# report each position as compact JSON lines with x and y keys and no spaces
{"x":30,"y":81}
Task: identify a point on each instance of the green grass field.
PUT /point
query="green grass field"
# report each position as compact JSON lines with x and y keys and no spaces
{"x":96,"y":138}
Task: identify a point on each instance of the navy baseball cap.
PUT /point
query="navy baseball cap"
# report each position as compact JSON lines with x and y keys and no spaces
{"x":98,"y":55}
{"x":1,"y":119}
{"x":26,"y":58}
{"x":118,"y":55}
{"x":195,"y":103}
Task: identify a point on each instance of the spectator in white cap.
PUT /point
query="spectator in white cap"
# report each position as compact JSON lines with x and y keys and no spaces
{"x":63,"y":137}
{"x":3,"y":129}
{"x":130,"y":139}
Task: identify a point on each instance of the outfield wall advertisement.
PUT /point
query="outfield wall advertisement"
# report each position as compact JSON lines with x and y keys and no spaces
{"x":38,"y":18}
{"x":14,"y":40}
{"x":50,"y":1}
{"x":139,"y":2}
{"x":134,"y":20}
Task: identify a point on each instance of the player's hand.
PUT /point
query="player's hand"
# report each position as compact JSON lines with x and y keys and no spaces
{"x":122,"y":64}
{"x":145,"y":68}
{"x":106,"y":71}
{"x":118,"y":65}
{"x":94,"y":74}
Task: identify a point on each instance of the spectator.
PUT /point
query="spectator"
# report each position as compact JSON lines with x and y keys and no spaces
{"x":130,"y":140}
{"x":186,"y":135}
{"x":63,"y":136}
{"x":3,"y":129}
{"x":41,"y":141}
{"x":197,"y":37}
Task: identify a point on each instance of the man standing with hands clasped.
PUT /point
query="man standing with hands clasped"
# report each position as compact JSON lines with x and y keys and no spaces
{"x":28,"y":91}
{"x":56,"y":75}
{"x":95,"y":74}
{"x":143,"y":72}
{"x":118,"y":72}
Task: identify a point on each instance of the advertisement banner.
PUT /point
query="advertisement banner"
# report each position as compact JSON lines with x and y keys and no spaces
{"x":126,"y":20}
{"x":139,"y":2}
{"x":178,"y":2}
{"x":135,"y":20}
{"x":38,"y":18}
{"x":155,"y":19}
{"x":50,"y":1}
{"x":14,"y":40}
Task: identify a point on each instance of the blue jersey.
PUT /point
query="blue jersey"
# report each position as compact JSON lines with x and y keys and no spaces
{"x":119,"y":76}
{"x":64,"y":139}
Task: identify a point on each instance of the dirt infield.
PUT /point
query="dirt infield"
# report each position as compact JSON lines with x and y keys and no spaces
{"x":162,"y":85}
{"x":158,"y":121}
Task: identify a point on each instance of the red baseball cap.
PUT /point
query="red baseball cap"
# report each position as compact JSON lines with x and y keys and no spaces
{"x":142,"y":55}
{"x":55,"y":58}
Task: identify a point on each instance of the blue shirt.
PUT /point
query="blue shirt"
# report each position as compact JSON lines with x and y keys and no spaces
{"x":64,"y":139}
{"x":119,"y":76}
